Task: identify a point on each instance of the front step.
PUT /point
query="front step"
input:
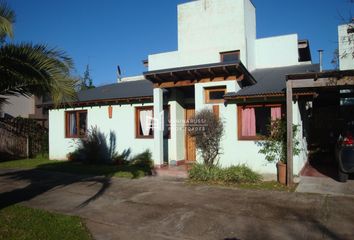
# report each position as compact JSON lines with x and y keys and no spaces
{"x":172,"y":171}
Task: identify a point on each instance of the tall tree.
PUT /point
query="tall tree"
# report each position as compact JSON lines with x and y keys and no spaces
{"x":7,"y":18}
{"x":86,"y":80}
{"x":32,"y":69}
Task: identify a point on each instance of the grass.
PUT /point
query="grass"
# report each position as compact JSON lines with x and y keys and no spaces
{"x":43,"y":163}
{"x":22,"y":223}
{"x":269,"y":185}
{"x":266,"y":185}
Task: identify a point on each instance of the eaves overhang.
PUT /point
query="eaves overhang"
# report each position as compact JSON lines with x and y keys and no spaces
{"x":190,"y":75}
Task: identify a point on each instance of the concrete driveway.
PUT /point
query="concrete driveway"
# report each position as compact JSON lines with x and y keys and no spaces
{"x":325,"y":185}
{"x":155,"y":208}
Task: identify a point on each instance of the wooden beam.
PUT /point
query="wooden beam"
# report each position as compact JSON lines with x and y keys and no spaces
{"x":241,"y":77}
{"x":198,"y":74}
{"x":271,"y":95}
{"x":174,"y":77}
{"x":185,"y":83}
{"x":158,"y":78}
{"x":226,"y":70}
{"x":318,"y":75}
{"x":289,"y":128}
{"x":323,"y":82}
{"x":212,"y":73}
{"x":194,"y":76}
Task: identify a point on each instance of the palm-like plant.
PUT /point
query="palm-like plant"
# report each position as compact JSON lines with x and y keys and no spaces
{"x":27,"y":69}
{"x":7,"y":18}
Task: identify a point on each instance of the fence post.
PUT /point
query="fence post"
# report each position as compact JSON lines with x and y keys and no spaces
{"x":27,"y":147}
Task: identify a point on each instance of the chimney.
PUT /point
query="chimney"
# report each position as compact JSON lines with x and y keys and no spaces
{"x":320,"y":51}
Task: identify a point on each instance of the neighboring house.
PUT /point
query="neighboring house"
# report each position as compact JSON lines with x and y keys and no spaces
{"x":25,"y":107}
{"x":220,"y":65}
{"x":346,"y":46}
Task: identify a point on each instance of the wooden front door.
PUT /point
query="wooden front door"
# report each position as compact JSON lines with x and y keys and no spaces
{"x":190,"y":141}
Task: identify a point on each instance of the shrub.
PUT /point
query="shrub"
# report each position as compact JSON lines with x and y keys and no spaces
{"x":123,"y":158}
{"x":207,"y":129}
{"x":240,"y":174}
{"x":143,"y":160}
{"x":274,"y":146}
{"x":233,"y":174}
{"x":94,"y":148}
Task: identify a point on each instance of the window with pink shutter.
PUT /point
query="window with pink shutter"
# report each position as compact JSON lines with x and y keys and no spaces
{"x":254,"y":120}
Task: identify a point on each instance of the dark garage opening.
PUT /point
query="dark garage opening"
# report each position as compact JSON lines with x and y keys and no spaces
{"x":331,"y":109}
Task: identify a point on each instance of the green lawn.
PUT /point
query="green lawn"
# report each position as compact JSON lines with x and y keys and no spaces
{"x":22,"y":223}
{"x":266,"y":185}
{"x":42,"y":163}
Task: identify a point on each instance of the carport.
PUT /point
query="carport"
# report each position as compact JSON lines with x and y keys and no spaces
{"x":332,"y":86}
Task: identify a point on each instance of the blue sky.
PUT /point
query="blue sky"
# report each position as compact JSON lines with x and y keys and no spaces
{"x":110,"y":32}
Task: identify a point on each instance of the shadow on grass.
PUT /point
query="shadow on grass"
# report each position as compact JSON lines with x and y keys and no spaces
{"x":48,"y":176}
{"x":5,"y":157}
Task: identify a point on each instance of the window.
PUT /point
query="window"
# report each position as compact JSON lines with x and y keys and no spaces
{"x":76,"y":124}
{"x":346,"y":98}
{"x":167,"y":124}
{"x":144,"y":117}
{"x":215,"y":94}
{"x":253,"y":121}
{"x":230,"y":56}
{"x":144,"y":122}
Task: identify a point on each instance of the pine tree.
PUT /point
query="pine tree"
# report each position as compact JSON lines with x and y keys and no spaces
{"x":87,"y":82}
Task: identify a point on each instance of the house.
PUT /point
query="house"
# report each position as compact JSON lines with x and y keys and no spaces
{"x":220,"y":65}
{"x":25,"y":107}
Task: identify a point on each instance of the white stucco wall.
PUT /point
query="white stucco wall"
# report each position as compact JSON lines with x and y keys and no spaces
{"x":277,"y":51}
{"x":165,"y":60}
{"x":177,"y":130}
{"x":122,"y":123}
{"x":206,"y":28}
{"x":211,"y":24}
{"x":19,"y":106}
{"x":247,"y":152}
{"x":300,"y":160}
{"x":231,"y":86}
{"x":234,"y":152}
{"x":240,"y":151}
{"x":346,"y":49}
{"x":250,"y":33}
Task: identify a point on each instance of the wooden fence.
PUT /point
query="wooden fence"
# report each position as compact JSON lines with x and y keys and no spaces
{"x":16,"y":142}
{"x":13,"y":144}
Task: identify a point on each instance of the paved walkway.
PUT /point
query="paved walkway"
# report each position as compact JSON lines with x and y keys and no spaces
{"x":326,"y":185}
{"x":155,"y":208}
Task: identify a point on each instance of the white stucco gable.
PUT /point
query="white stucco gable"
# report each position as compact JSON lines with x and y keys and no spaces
{"x":346,"y":49}
{"x":207,"y":28}
{"x":278,"y":51}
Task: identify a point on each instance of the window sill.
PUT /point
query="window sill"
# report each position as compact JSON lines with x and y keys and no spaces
{"x":69,"y":137}
{"x":142,"y":137}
